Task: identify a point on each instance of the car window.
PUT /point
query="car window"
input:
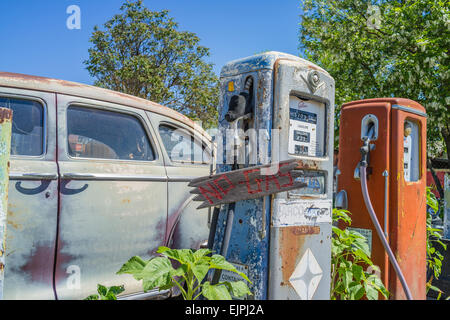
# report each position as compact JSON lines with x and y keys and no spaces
{"x":181,"y":146}
{"x":27,"y":133}
{"x":94,"y":133}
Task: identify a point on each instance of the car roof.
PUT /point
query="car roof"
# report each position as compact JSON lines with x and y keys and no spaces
{"x":30,"y":82}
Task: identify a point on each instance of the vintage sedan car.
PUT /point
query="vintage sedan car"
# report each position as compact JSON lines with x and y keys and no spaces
{"x":96,"y":177}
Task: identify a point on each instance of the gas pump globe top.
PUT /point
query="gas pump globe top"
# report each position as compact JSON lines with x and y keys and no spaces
{"x":276,"y":107}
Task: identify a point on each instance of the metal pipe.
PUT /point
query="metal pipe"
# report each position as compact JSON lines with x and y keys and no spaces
{"x":226,"y":241}
{"x":383,"y":239}
{"x":5,"y":149}
{"x":386,"y":180}
{"x":227,"y":236}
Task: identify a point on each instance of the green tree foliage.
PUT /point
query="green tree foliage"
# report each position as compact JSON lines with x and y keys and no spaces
{"x":142,"y":53}
{"x":385,"y":49}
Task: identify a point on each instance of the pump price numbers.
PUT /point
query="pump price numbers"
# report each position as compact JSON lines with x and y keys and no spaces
{"x":302,"y":136}
{"x":301,"y":115}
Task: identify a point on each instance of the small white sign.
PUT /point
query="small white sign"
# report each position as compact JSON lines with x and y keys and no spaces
{"x":232,"y":276}
{"x":301,"y":212}
{"x":366,"y":233}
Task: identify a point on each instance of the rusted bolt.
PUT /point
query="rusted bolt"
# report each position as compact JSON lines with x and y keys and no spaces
{"x":314,"y":78}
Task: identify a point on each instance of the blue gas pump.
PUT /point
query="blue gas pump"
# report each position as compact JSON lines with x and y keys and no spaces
{"x":277,"y":107}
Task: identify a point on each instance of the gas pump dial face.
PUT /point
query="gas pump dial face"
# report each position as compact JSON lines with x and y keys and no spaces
{"x":306,"y":127}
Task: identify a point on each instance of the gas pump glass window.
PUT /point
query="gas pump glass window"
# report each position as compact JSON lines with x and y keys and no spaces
{"x":411,"y":152}
{"x":181,"y":146}
{"x":307,"y":120}
{"x":27,"y":126}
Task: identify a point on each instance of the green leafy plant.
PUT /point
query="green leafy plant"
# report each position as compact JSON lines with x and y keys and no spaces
{"x":434,"y":236}
{"x":105,"y":293}
{"x":349,"y":254}
{"x":159,"y":272}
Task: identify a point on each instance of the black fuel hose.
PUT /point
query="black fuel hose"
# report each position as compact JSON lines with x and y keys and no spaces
{"x":380,"y":233}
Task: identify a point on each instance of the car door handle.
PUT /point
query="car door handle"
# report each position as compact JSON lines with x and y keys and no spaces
{"x":32,"y":176}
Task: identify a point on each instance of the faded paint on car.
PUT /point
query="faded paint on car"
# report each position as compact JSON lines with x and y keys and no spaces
{"x":93,"y":213}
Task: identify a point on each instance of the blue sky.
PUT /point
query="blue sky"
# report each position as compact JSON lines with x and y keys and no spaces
{"x":35,"y":40}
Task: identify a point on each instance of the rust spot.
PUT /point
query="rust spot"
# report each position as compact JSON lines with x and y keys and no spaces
{"x":313,"y":67}
{"x":23,"y":77}
{"x":14,"y":225}
{"x":290,"y":243}
{"x":301,"y":230}
{"x":126,"y":201}
{"x":5,"y":114}
{"x":307,"y":165}
{"x":308,"y":198}
{"x":40,"y":265}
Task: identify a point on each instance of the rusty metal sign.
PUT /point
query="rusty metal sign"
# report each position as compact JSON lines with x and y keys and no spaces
{"x":244,"y":184}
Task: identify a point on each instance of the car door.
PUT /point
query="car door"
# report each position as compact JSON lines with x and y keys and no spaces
{"x":113,"y":195}
{"x":187,"y":156}
{"x":32,"y":195}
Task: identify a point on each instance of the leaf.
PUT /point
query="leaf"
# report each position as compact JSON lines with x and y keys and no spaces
{"x":116,"y":290}
{"x":356,"y":292}
{"x":181,"y":255}
{"x":200,"y":270}
{"x":219,"y":262}
{"x":371,"y":293}
{"x":102,"y":290}
{"x":198,"y":254}
{"x":109,"y":296}
{"x":92,"y":297}
{"x":358,"y":272}
{"x":434,"y":288}
{"x":215,"y":292}
{"x":158,"y":272}
{"x":133,"y":266}
{"x":237,"y":289}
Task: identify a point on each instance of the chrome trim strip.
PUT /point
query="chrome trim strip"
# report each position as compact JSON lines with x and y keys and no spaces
{"x":146,"y":295}
{"x":32,"y":176}
{"x":113,"y":177}
{"x":181,"y":179}
{"x":410,"y":110}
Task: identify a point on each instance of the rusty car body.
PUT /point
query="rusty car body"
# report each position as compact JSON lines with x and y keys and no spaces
{"x":95,"y":178}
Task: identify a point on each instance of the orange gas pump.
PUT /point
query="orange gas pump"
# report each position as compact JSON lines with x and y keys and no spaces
{"x":386,"y":139}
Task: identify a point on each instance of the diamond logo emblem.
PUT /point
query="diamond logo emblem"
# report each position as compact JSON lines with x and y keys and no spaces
{"x":306,"y":276}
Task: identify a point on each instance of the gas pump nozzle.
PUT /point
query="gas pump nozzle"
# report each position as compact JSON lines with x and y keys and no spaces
{"x":365,"y":151}
{"x":241,"y":105}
